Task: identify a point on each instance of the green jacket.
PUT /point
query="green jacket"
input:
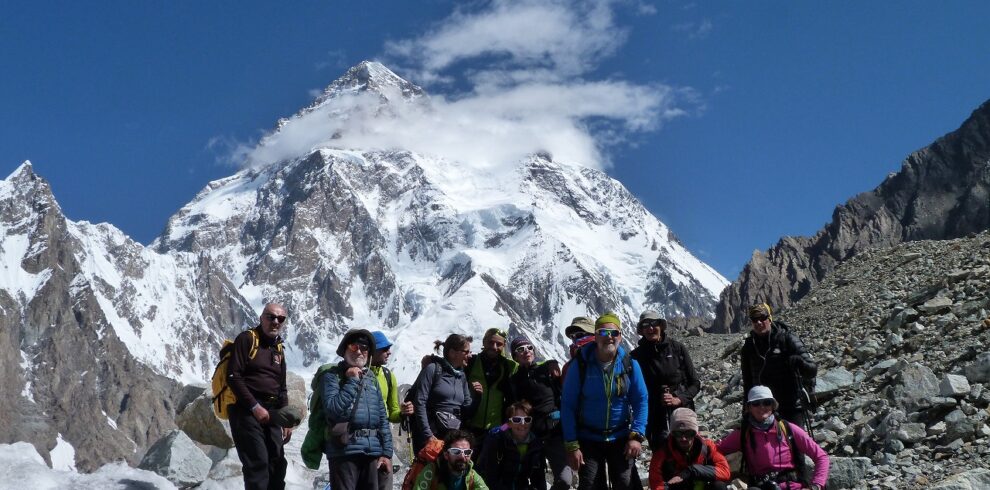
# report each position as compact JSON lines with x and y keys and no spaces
{"x":390,"y":392}
{"x":312,"y":447}
{"x":429,"y":479}
{"x":494,"y":393}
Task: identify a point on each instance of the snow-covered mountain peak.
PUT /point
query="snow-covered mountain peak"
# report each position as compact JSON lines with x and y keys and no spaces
{"x":370,"y":76}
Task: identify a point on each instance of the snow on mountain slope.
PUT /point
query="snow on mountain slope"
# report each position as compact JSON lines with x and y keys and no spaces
{"x":421,"y":246}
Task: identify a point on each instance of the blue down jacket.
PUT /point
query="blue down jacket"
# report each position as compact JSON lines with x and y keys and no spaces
{"x":370,"y":431}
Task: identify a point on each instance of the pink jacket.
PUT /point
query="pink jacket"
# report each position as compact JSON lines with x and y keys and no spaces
{"x":772,"y":454}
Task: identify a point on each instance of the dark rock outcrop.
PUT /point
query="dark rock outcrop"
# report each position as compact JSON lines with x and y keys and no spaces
{"x":941,"y":192}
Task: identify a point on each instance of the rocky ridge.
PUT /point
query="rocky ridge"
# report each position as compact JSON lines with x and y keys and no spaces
{"x":901,"y":336}
{"x":941,"y":192}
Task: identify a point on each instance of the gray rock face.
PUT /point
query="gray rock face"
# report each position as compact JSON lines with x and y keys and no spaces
{"x":847,"y":472}
{"x":953,"y":385}
{"x":941,"y":192}
{"x":906,"y":409}
{"x":833,"y":381}
{"x":79,"y":378}
{"x":177,"y":458}
{"x":914,"y":385}
{"x":200,"y":424}
{"x":977,"y":479}
{"x":979,"y":370}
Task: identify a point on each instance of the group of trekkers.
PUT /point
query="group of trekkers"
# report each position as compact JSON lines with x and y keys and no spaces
{"x":500,"y":421}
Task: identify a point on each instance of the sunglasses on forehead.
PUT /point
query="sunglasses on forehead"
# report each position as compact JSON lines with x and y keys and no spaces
{"x":456,"y":451}
{"x":272,"y":317}
{"x":609,"y":332}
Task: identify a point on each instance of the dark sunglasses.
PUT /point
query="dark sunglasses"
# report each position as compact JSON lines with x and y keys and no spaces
{"x":520,"y":420}
{"x":756,"y":319}
{"x":577,"y":335}
{"x":761,"y":403}
{"x":683,"y":434}
{"x":524,"y":348}
{"x":272,"y":317}
{"x":385,"y":349}
{"x":651,"y":324}
{"x":357,"y":347}
{"x":608,"y":332}
{"x":456,"y":451}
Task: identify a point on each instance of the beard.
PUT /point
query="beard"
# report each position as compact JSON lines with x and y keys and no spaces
{"x":459,"y":465}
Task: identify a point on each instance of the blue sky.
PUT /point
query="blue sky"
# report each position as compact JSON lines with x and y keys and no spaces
{"x":735,"y":123}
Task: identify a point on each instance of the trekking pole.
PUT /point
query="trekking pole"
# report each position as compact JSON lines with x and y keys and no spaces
{"x":666,"y":390}
{"x":806,"y":406}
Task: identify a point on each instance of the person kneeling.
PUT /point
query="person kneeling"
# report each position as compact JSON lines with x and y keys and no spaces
{"x":773,"y":449}
{"x":686,"y":460}
{"x":513,"y":456}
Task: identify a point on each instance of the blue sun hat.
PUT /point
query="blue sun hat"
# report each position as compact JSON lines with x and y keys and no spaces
{"x":381,"y":342}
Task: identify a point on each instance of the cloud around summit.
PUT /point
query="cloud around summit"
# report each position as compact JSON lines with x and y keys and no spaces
{"x":505,"y":80}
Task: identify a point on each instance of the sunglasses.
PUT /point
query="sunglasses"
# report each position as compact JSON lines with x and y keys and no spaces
{"x":357,"y":347}
{"x":520,"y":420}
{"x":608,"y":332}
{"x":456,"y":451}
{"x":651,"y":324}
{"x":577,"y":335}
{"x":386,"y":349}
{"x":761,"y":403}
{"x":272,"y":317}
{"x":683,"y":434}
{"x":757,"y":319}
{"x":524,"y":348}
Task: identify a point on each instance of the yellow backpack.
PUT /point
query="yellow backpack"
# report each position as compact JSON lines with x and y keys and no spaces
{"x":223,"y":396}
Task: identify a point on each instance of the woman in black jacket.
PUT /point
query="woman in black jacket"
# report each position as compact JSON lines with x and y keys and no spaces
{"x":440,"y":396}
{"x":669,"y":373}
{"x":539,"y":383}
{"x":513,"y":457}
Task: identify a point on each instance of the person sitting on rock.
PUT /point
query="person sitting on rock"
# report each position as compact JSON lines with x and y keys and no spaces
{"x":773,"y":449}
{"x":685,"y":460}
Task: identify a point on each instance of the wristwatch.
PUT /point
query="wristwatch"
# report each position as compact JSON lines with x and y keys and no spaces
{"x":636,"y":436}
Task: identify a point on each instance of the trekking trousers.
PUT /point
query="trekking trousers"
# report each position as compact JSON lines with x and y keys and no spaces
{"x":259,"y":449}
{"x":607,"y":457}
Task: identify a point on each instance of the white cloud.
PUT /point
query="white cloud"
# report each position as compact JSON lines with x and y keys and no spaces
{"x":527,"y":66}
{"x":695,"y":30}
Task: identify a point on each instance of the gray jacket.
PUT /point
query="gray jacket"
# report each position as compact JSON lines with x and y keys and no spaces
{"x":442,"y":400}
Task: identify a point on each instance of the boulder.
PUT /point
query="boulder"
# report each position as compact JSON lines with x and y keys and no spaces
{"x":954,"y":385}
{"x":202,"y":426}
{"x":935,"y":305}
{"x":914,"y":385}
{"x":979,"y":370}
{"x":833,"y":381}
{"x":297,"y":392}
{"x":969,"y":480}
{"x":178,"y":459}
{"x":847,"y":472}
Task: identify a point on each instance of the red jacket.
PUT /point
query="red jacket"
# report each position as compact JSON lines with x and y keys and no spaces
{"x":706,"y":464}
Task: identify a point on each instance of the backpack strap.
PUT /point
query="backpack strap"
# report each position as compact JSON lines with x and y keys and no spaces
{"x":388,"y":383}
{"x":254,"y":343}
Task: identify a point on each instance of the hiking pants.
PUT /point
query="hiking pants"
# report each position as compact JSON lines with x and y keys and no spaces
{"x":553,"y":449}
{"x":600,"y":457}
{"x":359,"y":473}
{"x":260,"y":450}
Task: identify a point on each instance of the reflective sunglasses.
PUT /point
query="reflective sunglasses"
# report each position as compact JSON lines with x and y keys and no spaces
{"x":577,"y":335}
{"x":757,"y":319}
{"x":683,"y":434}
{"x":357,"y":347}
{"x":456,"y":451}
{"x":762,"y":403}
{"x":272,"y":317}
{"x":524,"y":348}
{"x":520,"y":420}
{"x":609,"y":332}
